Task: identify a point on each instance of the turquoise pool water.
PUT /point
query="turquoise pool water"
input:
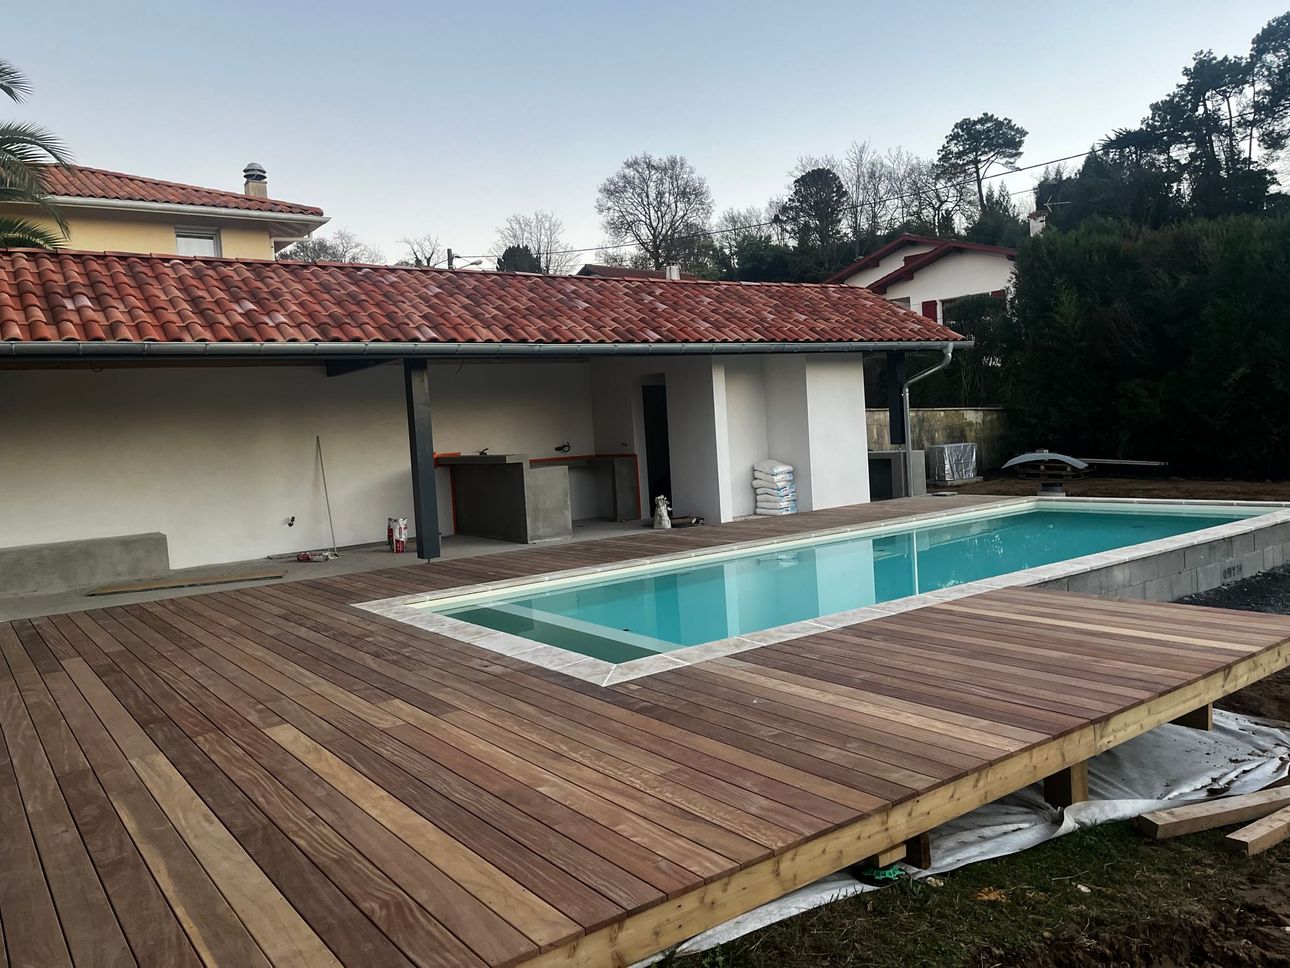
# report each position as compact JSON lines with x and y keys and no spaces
{"x":626,"y":618}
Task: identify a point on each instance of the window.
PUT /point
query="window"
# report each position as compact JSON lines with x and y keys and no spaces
{"x":197,"y":241}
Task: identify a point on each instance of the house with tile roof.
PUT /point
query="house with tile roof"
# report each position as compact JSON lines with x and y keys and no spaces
{"x":110,"y":211}
{"x":201,"y":399}
{"x":927,"y":275}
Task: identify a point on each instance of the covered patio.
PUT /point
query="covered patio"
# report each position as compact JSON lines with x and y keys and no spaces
{"x":239,"y":408}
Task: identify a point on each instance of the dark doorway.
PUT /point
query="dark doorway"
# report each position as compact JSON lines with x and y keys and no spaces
{"x":658,"y":460}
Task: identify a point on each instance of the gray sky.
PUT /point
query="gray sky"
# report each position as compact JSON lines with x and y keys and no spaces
{"x":411,"y":118}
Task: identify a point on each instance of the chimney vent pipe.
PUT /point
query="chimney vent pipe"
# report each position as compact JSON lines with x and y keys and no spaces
{"x":257,"y":180}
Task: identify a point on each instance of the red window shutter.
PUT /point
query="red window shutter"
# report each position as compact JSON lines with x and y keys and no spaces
{"x":930,"y":309}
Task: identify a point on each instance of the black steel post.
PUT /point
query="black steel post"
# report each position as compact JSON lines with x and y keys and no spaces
{"x":895,"y":406}
{"x":425,"y":505}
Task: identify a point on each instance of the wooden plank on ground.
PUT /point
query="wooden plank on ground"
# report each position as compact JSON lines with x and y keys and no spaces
{"x":189,"y":581}
{"x":1194,"y":817}
{"x":1262,"y":834}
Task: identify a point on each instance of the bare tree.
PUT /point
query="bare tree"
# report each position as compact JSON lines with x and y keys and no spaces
{"x":341,"y":246}
{"x":423,"y":250}
{"x":542,"y":233}
{"x":631,"y":258}
{"x":735,"y":225}
{"x":661,"y":204}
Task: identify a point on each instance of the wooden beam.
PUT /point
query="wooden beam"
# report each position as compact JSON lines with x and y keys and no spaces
{"x":885,"y":858}
{"x":1202,"y":718}
{"x":1067,"y":787}
{"x":918,"y":851}
{"x":1193,"y":817}
{"x":1262,"y":834}
{"x":189,"y":581}
{"x":425,"y":503}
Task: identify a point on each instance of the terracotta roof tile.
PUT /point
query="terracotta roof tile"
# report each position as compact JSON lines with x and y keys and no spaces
{"x":90,"y":296}
{"x":74,"y":181}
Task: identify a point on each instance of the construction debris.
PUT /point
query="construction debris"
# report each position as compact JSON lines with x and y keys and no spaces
{"x":1225,"y":812}
{"x":1262,"y":834}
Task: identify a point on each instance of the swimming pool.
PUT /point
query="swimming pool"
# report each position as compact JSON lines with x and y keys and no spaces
{"x":634,"y":613}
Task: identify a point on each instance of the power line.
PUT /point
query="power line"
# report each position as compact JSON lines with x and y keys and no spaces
{"x":914,"y":193}
{"x":709,"y":233}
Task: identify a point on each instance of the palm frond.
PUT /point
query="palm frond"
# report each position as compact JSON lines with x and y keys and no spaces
{"x":35,"y":144}
{"x":13,"y":83}
{"x":24,"y":233}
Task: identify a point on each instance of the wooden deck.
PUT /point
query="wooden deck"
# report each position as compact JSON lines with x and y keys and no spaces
{"x":272,"y":776}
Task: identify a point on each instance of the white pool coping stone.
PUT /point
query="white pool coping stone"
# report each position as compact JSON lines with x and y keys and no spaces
{"x":419,"y":609}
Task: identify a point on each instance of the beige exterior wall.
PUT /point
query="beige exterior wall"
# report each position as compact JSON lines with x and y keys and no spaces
{"x":103,"y":231}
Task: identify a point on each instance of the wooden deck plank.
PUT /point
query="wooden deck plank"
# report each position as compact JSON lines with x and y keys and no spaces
{"x":211,"y":926}
{"x":273,"y":775}
{"x":457,"y":682}
{"x":542,"y":923}
{"x":33,"y":935}
{"x":155,"y":936}
{"x":339,"y":921}
{"x":529,"y":865}
{"x":88,"y":921}
{"x":278,"y":929}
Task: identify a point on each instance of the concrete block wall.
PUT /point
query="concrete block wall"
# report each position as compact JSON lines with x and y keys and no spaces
{"x":62,"y":565}
{"x":1174,"y":574}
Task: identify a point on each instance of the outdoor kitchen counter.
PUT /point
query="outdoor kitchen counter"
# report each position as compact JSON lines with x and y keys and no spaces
{"x":504,"y":496}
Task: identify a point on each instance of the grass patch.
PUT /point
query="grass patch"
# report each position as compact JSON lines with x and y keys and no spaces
{"x":1094,"y":897}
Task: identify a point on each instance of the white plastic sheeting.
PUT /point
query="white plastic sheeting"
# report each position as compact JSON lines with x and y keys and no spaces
{"x":1165,"y":767}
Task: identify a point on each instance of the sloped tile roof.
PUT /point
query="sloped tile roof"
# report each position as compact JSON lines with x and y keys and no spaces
{"x":75,"y":181}
{"x":93,"y":296}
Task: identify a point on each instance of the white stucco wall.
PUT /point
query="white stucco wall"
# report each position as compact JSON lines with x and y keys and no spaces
{"x":697,"y":430}
{"x":889,"y":264}
{"x":218,"y":458}
{"x":787,"y":418}
{"x":746,"y":427}
{"x":811,"y":415}
{"x":838,"y":441}
{"x":954,"y":275}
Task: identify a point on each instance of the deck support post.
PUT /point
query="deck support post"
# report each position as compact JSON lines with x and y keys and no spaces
{"x":918,"y":851}
{"x":1202,"y":718}
{"x":883,"y":858}
{"x":425,"y":503}
{"x":1069,"y":786}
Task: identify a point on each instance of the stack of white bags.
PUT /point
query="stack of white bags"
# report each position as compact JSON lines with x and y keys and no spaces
{"x":775,"y":488}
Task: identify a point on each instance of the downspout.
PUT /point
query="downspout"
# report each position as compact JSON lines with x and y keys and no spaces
{"x":948,"y":350}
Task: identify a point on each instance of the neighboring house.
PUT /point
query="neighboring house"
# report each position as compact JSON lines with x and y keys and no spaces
{"x":180,"y":395}
{"x":626,"y":272}
{"x":108,"y":211}
{"x":926,"y":274}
